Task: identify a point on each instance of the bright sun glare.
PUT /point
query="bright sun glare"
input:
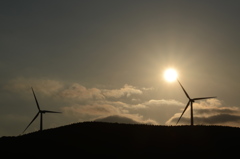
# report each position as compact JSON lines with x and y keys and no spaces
{"x":170,"y":75}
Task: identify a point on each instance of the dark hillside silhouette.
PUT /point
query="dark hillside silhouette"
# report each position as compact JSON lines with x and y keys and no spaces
{"x":98,"y":139}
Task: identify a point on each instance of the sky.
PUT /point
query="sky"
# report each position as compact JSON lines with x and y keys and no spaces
{"x":104,"y":61}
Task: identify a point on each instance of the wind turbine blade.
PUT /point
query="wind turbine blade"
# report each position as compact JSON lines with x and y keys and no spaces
{"x":184,"y":111}
{"x":48,"y":111}
{"x":183,"y":89}
{"x":203,"y":98}
{"x":31,"y":121}
{"x":36,"y":99}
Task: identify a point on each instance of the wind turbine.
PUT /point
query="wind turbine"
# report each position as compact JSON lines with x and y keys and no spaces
{"x":41,"y":112}
{"x":190,"y":102}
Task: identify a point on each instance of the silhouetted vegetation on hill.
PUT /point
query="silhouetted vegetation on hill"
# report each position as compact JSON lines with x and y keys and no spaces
{"x":97,"y":139}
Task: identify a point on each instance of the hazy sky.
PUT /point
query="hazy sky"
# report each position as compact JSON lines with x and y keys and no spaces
{"x":104,"y":60}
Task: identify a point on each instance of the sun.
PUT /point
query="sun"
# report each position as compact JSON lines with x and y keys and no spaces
{"x":170,"y":75}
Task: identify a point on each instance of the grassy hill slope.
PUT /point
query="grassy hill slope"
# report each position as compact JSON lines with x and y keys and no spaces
{"x":96,"y":139}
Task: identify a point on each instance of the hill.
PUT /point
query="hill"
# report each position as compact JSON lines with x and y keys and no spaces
{"x":98,"y":139}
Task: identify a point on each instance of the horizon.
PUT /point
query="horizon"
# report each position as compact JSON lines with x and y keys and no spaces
{"x":116,"y":124}
{"x":106,"y":61}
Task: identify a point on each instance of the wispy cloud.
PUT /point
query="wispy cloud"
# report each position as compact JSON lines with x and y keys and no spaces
{"x":147,"y":88}
{"x":163,"y":102}
{"x":74,"y":91}
{"x":23,"y":85}
{"x":93,"y":110}
{"x":158,"y":103}
{"x":127,"y":90}
{"x":77,"y":91}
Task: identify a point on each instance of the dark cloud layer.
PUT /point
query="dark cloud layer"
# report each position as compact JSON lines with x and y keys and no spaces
{"x":220,"y":119}
{"x":209,"y":112}
{"x":221,"y":110}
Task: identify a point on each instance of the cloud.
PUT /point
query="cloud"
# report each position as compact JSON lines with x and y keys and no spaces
{"x":99,"y":110}
{"x":158,"y":103}
{"x":127,"y":90}
{"x":93,"y":110}
{"x":211,"y":102}
{"x":73,"y":92}
{"x":209,"y":112}
{"x":126,"y":119}
{"x":163,"y":102}
{"x":219,"y":119}
{"x":147,"y":89}
{"x":77,"y":91}
{"x":78,"y":102}
{"x":217,"y":110}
